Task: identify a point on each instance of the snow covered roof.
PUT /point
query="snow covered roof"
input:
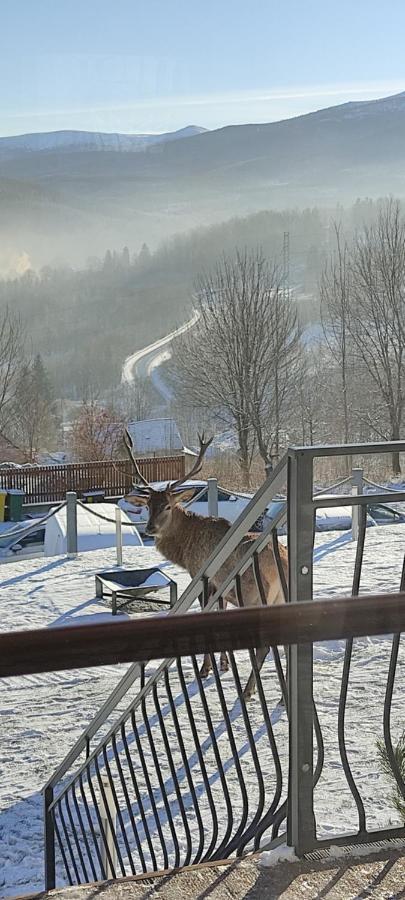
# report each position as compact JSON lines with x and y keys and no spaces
{"x":154,"y":435}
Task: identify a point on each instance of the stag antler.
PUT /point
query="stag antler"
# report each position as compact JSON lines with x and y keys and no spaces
{"x":197,"y":465}
{"x":128,"y":447}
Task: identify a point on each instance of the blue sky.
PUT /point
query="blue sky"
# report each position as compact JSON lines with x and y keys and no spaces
{"x":162,"y":64}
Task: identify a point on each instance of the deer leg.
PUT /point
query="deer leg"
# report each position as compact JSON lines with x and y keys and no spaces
{"x":281,"y":701}
{"x":206,"y":664}
{"x":250,"y":688}
{"x":223,"y":659}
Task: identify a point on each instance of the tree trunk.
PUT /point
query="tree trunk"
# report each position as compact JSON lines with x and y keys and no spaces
{"x":244,"y":458}
{"x":395,"y":436}
{"x":348,"y":459}
{"x":245,"y":470}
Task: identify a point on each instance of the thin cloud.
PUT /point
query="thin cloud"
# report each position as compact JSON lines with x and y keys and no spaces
{"x":161,"y":112}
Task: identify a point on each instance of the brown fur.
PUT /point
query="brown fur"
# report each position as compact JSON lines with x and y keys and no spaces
{"x":188,"y":540}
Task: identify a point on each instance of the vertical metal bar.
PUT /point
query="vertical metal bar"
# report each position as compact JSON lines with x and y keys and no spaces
{"x":392,"y":757}
{"x":212,"y":497}
{"x":50,"y":872}
{"x":109,"y":826}
{"x":118,"y":534}
{"x":185,"y":762}
{"x":62,"y":851}
{"x":173,"y":593}
{"x":301,"y":821}
{"x":71,"y":524}
{"x":357,"y":488}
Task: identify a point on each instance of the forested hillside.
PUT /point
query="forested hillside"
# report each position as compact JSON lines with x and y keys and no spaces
{"x":85,"y":322}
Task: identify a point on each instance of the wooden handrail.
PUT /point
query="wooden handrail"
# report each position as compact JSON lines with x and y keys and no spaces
{"x":53,"y":649}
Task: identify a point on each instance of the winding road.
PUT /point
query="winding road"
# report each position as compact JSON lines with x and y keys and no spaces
{"x":145,"y":363}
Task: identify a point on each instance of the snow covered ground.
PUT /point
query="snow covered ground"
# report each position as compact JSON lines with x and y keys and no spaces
{"x":42,"y":716}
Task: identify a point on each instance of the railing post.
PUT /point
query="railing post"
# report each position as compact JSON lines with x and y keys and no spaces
{"x":357,"y":488}
{"x":71,"y":524}
{"x":107,"y":810}
{"x":118,"y":534}
{"x":212,"y":497}
{"x":300,"y":823}
{"x":50,"y":872}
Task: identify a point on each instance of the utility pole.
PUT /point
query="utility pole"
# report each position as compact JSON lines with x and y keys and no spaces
{"x":286,"y":265}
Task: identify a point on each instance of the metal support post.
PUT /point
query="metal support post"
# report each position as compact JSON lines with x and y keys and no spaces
{"x":301,"y":822}
{"x":173,"y":594}
{"x":118,"y":534}
{"x":357,"y":488}
{"x":49,"y":842}
{"x":212,"y":497}
{"x":71,"y":524}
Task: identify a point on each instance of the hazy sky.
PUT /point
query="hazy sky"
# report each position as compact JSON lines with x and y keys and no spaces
{"x":159,"y":65}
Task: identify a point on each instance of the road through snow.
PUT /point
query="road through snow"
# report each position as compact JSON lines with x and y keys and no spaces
{"x":145,"y":362}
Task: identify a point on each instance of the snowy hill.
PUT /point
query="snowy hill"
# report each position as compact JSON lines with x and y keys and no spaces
{"x":87,"y":200}
{"x":88,"y":140}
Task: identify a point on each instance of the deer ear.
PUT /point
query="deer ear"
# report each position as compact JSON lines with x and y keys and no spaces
{"x":182,"y":496}
{"x":137,"y":499}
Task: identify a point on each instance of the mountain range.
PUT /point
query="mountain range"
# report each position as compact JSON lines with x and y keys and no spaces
{"x":84,"y":141}
{"x":61,"y":198}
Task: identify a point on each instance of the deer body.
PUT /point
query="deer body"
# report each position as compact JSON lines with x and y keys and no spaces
{"x":188,"y":540}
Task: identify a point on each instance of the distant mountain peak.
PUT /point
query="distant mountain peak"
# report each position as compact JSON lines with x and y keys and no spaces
{"x":70,"y":140}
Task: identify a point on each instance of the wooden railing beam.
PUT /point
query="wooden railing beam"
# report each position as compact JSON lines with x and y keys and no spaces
{"x":50,"y":650}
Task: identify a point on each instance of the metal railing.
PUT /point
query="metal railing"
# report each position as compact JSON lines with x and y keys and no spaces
{"x":190,"y":770}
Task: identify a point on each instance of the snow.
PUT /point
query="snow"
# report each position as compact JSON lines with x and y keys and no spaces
{"x":89,"y":140}
{"x":280,"y":854}
{"x":131,"y":364}
{"x":93,"y":533}
{"x":271,"y":858}
{"x":43,"y":715}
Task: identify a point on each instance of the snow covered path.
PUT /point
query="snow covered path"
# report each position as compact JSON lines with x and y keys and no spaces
{"x":42,"y":716}
{"x":146,"y":360}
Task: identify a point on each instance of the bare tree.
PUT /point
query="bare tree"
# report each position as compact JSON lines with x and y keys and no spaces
{"x":376,"y":312}
{"x":12,"y":349}
{"x":97,"y":433}
{"x":311,"y":418}
{"x":34,"y":411}
{"x":226,"y":363}
{"x":335,"y":301}
{"x":136,"y":399}
{"x":278,"y":374}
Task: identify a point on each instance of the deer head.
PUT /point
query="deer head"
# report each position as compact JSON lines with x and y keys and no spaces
{"x":162,"y":503}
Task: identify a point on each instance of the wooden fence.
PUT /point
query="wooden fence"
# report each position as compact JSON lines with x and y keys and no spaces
{"x":49,"y":484}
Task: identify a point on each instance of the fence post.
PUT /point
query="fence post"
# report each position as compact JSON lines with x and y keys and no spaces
{"x":49,"y":854}
{"x":357,"y":488}
{"x":212,"y":497}
{"x":71,"y":524}
{"x":300,"y":822}
{"x":107,"y":814}
{"x":118,"y":534}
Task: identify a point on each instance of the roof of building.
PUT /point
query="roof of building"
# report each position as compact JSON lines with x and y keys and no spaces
{"x":152,"y":435}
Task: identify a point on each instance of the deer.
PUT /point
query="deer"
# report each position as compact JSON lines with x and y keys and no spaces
{"x":188,"y":539}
